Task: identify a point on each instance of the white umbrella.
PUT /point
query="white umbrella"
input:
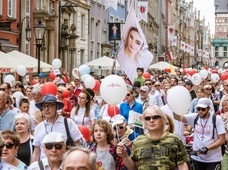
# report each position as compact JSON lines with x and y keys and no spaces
{"x":161,"y":65}
{"x":103,"y":63}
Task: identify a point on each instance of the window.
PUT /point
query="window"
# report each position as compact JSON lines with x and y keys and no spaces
{"x":12,"y":8}
{"x":27,"y":6}
{"x":225,"y":51}
{"x":216,"y":51}
{"x":82,"y":26}
{"x":92,"y":29}
{"x":75,"y":19}
{"x":50,"y":7}
{"x":39,"y":4}
{"x":27,"y":49}
{"x":111,"y":19}
{"x":98,"y":30}
{"x":0,"y":7}
{"x":82,"y":59}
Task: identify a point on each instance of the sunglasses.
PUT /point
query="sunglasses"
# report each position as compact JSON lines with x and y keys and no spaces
{"x":128,"y":94}
{"x":155,"y":117}
{"x":2,"y":89}
{"x":199,"y":108}
{"x":69,"y":89}
{"x":119,"y":127}
{"x":148,"y":84}
{"x":156,"y":85}
{"x":208,"y":89}
{"x":59,"y":91}
{"x":8,"y":145}
{"x":49,"y":146}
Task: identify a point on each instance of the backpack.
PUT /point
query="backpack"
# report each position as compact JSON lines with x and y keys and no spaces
{"x":214,"y":127}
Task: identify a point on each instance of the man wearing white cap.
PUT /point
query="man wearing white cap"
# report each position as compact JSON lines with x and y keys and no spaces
{"x":209,"y":135}
{"x":54,"y":147}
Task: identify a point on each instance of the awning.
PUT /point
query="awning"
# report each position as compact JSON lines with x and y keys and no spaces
{"x":7,"y":46}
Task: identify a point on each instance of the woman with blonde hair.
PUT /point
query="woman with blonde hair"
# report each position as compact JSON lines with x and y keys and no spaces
{"x":165,"y":149}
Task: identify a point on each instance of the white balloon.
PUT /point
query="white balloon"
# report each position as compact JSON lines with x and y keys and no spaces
{"x":179,"y":100}
{"x":84,"y":69}
{"x":181,"y":70}
{"x":75,"y":72}
{"x":84,"y":77}
{"x":18,"y":95}
{"x":113,"y":89}
{"x":203,"y":74}
{"x":9,"y":79}
{"x":196,"y":79}
{"x":21,"y":70}
{"x":90,"y":82}
{"x":56,"y":63}
{"x":215,"y":77}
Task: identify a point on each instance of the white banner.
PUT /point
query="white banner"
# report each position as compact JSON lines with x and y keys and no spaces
{"x":142,"y":10}
{"x":174,"y":41}
{"x":199,"y":52}
{"x":110,"y":3}
{"x":171,"y":32}
{"x":182,"y":47}
{"x":192,"y":50}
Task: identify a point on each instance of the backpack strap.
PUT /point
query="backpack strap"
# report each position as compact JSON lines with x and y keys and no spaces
{"x":214,"y":125}
{"x":195,"y":121}
{"x":41,"y":166}
{"x":66,"y":127}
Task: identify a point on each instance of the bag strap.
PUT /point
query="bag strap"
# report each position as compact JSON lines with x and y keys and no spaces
{"x":41,"y":166}
{"x":196,"y":119}
{"x":214,"y":125}
{"x":66,"y":127}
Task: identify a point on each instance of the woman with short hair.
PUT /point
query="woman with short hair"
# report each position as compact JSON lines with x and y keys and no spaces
{"x":10,"y":148}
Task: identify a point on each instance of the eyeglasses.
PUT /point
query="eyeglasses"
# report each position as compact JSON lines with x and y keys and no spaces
{"x":7,"y":145}
{"x":199,"y":108}
{"x":59,"y":91}
{"x":154,"y":117}
{"x":2,"y":89}
{"x":48,"y":106}
{"x":156,"y":85}
{"x":128,"y":94}
{"x":207,"y":89}
{"x":119,"y":127}
{"x":148,"y":84}
{"x":49,"y":146}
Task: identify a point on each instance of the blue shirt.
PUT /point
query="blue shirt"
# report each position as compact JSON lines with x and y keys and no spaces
{"x":125,"y":108}
{"x":7,"y":120}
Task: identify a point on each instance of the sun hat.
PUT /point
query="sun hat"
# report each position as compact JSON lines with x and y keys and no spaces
{"x":144,"y":88}
{"x":54,"y":137}
{"x":49,"y":98}
{"x":117,"y":119}
{"x":203,"y":103}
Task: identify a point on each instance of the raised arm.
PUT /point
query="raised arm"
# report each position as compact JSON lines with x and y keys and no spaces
{"x":180,"y":118}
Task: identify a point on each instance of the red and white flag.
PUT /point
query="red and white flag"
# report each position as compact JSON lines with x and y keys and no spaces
{"x":199,"y":52}
{"x":182,"y":47}
{"x":111,"y":3}
{"x":174,"y":41}
{"x":186,"y":47}
{"x":142,"y":10}
{"x":171,"y":32}
{"x":170,"y":55}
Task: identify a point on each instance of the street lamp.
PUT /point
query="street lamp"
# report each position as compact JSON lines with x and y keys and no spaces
{"x":39,"y":30}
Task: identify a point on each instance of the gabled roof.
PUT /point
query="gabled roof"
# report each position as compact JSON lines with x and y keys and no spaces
{"x":222,"y":7}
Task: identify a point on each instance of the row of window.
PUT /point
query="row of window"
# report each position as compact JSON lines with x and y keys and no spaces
{"x":221,"y":51}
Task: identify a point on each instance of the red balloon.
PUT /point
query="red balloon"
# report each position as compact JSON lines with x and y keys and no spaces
{"x":34,"y":81}
{"x":49,"y":88}
{"x":97,"y":85}
{"x":191,"y":72}
{"x":52,"y":75}
{"x":206,"y":67}
{"x":146,"y":75}
{"x":65,"y":94}
{"x":85,"y":132}
{"x":224,"y":76}
{"x":113,"y":110}
{"x":185,"y":71}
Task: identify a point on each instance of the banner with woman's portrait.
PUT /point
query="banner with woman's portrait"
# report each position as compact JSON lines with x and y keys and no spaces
{"x":114,"y":31}
{"x":133,"y":49}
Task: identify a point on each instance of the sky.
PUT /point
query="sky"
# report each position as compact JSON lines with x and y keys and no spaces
{"x":206,"y":8}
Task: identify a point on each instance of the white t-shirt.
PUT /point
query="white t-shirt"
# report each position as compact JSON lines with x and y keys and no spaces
{"x":105,"y":159}
{"x":78,"y":119}
{"x":32,"y":108}
{"x":204,"y":127}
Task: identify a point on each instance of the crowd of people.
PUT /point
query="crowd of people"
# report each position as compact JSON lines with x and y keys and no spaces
{"x":75,"y":130}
